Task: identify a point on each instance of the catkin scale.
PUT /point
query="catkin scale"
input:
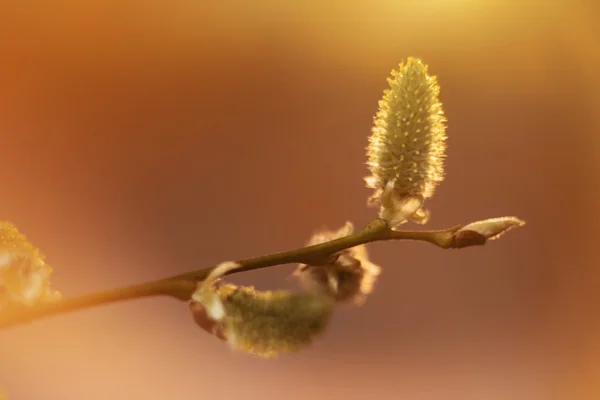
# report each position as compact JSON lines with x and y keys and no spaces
{"x":407,"y":145}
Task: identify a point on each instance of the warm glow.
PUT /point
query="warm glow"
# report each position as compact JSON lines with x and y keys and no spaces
{"x":137,"y":135}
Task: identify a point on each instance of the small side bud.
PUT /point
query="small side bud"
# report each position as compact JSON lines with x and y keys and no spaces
{"x":264,"y":323}
{"x":348,"y":278}
{"x":477,"y":233}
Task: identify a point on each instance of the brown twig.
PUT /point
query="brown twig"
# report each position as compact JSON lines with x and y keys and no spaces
{"x":182,"y":286}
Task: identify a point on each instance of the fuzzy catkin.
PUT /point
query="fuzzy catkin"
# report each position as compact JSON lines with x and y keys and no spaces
{"x":407,"y":145}
{"x":348,"y":278}
{"x":24,"y":276}
{"x":264,"y":323}
{"x":14,"y":243}
{"x":267,"y":323}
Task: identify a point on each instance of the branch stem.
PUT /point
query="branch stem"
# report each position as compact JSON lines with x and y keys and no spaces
{"x":178,"y":289}
{"x":182,"y":286}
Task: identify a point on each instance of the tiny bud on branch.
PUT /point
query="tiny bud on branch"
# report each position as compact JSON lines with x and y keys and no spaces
{"x":477,"y":233}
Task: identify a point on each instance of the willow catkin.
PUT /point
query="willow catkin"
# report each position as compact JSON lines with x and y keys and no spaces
{"x":407,"y":145}
{"x":264,"y":323}
{"x":270,"y":322}
{"x":24,"y":276}
{"x":348,"y":278}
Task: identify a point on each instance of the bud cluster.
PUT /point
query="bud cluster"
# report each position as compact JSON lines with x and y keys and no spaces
{"x":406,"y":153}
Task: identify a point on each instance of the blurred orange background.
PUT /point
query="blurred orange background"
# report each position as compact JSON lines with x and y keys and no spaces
{"x":143,"y":139}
